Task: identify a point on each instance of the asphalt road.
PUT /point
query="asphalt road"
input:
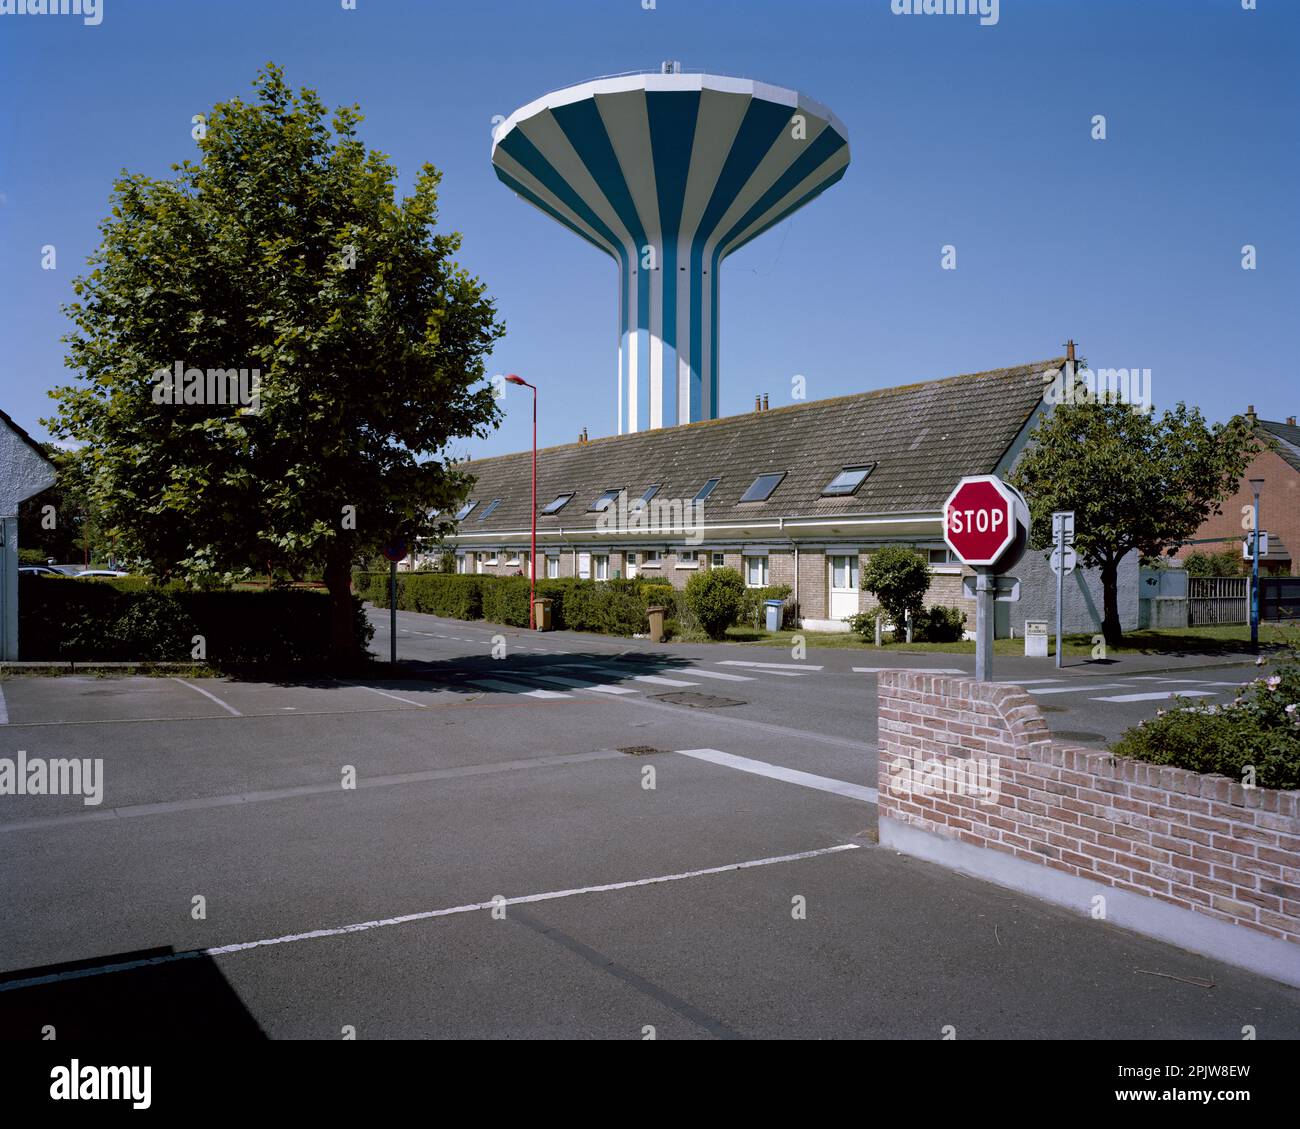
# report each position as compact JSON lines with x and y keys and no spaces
{"x":502,"y":869}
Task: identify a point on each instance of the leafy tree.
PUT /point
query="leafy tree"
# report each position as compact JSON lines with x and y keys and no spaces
{"x":1227,"y":562}
{"x":899,"y":577}
{"x":71,"y":531}
{"x":1134,"y":481}
{"x":715,"y":596}
{"x":285,"y":250}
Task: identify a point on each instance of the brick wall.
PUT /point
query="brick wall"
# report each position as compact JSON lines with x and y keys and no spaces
{"x":1202,"y":843}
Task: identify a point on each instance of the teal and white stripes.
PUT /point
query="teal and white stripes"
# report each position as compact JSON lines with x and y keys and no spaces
{"x":669,"y":174}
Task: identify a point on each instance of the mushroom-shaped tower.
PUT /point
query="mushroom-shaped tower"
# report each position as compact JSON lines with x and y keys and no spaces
{"x":669,"y":173}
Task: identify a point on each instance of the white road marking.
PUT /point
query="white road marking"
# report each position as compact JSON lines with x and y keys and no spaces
{"x":1077,"y":689}
{"x":789,"y":775}
{"x":1200,"y":682}
{"x":386,"y":694}
{"x":578,"y":684}
{"x":1157,"y":696}
{"x":912,"y":669}
{"x":701,"y":673}
{"x":515,"y":688}
{"x":656,"y":680}
{"x":1029,"y":681}
{"x":801,"y":667}
{"x":199,"y":690}
{"x":404,"y":919}
{"x":629,"y":672}
{"x":4,"y":712}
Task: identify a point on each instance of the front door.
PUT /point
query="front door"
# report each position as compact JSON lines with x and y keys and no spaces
{"x":843,"y":570}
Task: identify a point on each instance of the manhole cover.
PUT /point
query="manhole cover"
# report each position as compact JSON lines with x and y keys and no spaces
{"x":697,"y":701}
{"x":639,"y":750}
{"x":1076,"y":735}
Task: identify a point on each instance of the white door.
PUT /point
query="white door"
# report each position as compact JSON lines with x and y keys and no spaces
{"x":631,"y":566}
{"x":843,"y":585}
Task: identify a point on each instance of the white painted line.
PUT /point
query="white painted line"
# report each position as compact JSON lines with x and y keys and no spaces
{"x":768,"y":666}
{"x":700,"y":672}
{"x":912,"y":669}
{"x":1077,"y":689}
{"x":789,"y":775}
{"x":4,"y":712}
{"x":656,"y":680}
{"x":515,"y":688}
{"x":404,"y":919}
{"x":200,"y":690}
{"x":578,"y":684}
{"x":1028,"y":681}
{"x":1157,"y":696}
{"x":385,"y":694}
{"x":1201,"y":682}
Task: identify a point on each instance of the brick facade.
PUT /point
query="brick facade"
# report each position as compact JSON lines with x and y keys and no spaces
{"x":1202,"y":843}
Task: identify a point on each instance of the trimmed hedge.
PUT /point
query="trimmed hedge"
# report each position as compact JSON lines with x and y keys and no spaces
{"x":121,"y":621}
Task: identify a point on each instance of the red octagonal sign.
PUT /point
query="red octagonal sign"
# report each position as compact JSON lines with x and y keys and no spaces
{"x":979,"y":520}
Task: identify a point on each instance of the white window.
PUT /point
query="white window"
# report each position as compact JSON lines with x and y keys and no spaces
{"x":584,"y":566}
{"x":552,"y":568}
{"x":844,"y":572}
{"x":688,"y":558}
{"x":756,"y":572}
{"x":460,"y":563}
{"x":719,"y":559}
{"x":942,"y":557}
{"x":651,"y":558}
{"x":600,"y":566}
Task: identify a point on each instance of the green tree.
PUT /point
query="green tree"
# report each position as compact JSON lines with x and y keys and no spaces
{"x":1135,"y":481}
{"x":714,"y":596}
{"x":899,"y":577}
{"x":69,"y":530}
{"x":284,"y":249}
{"x":1226,"y":562}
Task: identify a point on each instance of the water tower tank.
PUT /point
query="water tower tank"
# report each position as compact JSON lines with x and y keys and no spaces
{"x":669,"y":173}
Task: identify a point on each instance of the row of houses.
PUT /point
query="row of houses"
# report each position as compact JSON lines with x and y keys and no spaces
{"x":798,"y":495}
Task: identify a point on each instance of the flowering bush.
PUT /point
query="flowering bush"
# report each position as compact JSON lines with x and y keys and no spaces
{"x":1260,"y":728}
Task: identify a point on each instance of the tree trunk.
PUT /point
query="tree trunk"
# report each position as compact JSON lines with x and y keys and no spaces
{"x":1110,"y":627}
{"x":338,"y":581}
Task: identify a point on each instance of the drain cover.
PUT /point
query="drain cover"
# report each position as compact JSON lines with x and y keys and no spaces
{"x":639,"y":750}
{"x":698,"y":701}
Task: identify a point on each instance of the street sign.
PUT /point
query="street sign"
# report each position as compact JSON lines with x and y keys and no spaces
{"x":1248,"y":551}
{"x":1071,"y":559}
{"x":1006,"y":589}
{"x":1063,"y":526}
{"x":395,"y":551}
{"x":980,"y":520}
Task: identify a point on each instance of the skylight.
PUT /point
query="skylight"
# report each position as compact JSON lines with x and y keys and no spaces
{"x":707,"y":489}
{"x":650,"y":492}
{"x":465,"y":510}
{"x":847,"y":481}
{"x":491,"y":507}
{"x":761,"y":488}
{"x":605,"y":500}
{"x":554,"y":507}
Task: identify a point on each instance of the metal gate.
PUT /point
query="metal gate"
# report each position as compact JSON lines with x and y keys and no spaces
{"x":1218,"y":599}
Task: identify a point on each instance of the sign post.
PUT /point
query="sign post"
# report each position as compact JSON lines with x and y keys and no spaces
{"x":1063,"y":561}
{"x":986,"y":524}
{"x":394,"y":551}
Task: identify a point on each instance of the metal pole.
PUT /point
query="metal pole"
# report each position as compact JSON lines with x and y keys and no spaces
{"x":1254,"y":581}
{"x":392,"y":612}
{"x":983,"y":626}
{"x":1060,"y":586}
{"x":532,"y":552}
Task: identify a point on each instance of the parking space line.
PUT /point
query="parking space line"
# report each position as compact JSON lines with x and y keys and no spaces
{"x":910,"y":669}
{"x":789,"y":775}
{"x":405,"y":919}
{"x":199,"y":690}
{"x":4,"y":711}
{"x":1156,"y":696}
{"x":385,"y":694}
{"x":1078,"y":689}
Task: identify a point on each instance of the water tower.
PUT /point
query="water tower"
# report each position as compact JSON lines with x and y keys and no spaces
{"x":669,"y":173}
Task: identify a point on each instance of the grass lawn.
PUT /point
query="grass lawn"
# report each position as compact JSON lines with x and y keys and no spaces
{"x":1185,"y":641}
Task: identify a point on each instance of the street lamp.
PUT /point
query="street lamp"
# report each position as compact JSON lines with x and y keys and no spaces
{"x":532,"y":552}
{"x":1256,"y":485}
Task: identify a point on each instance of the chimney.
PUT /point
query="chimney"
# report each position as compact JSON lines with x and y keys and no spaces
{"x":1250,"y":412}
{"x":1290,"y":421}
{"x":1069,"y":349}
{"x":758,"y":402}
{"x":764,"y":401}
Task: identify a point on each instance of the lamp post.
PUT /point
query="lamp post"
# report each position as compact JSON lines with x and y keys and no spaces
{"x":532,"y":549}
{"x":1256,"y":485}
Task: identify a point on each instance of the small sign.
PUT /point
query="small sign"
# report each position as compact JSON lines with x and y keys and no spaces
{"x":1006,"y":589}
{"x":1071,"y":559}
{"x":1063,"y":526}
{"x":1248,"y":550}
{"x":395,"y":551}
{"x":1036,"y":638}
{"x":1035,"y":627}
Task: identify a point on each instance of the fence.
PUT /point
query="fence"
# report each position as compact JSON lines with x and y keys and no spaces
{"x":1218,"y":599}
{"x":1279,"y":597}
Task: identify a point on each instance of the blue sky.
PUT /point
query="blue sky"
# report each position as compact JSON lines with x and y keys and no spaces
{"x":975,"y":136}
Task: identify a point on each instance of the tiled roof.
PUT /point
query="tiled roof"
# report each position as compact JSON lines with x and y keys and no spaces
{"x":922,"y":438}
{"x":1287,"y":438}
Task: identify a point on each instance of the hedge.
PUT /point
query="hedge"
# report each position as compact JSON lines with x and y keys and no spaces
{"x":122,"y":620}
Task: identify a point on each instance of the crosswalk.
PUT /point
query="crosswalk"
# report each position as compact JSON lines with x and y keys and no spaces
{"x":569,"y":679}
{"x":1156,"y":688}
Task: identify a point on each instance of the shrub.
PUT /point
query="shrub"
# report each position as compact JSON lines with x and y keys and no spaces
{"x":753,"y":608}
{"x":715,"y":597}
{"x":152,"y":626}
{"x":939,"y":624}
{"x":898,"y":577}
{"x":1226,"y":563}
{"x":1261,"y":728}
{"x":610,"y":607}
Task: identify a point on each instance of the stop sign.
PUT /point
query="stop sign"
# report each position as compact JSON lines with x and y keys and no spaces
{"x":980,"y":519}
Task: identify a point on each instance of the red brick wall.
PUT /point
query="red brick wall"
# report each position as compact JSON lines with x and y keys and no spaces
{"x":1203,"y":843}
{"x":1279,"y":508}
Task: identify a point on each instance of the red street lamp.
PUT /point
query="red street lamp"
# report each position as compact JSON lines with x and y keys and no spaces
{"x":532,"y":552}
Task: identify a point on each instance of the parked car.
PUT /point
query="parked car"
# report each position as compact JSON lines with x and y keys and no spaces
{"x":38,"y":570}
{"x":103,"y":572}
